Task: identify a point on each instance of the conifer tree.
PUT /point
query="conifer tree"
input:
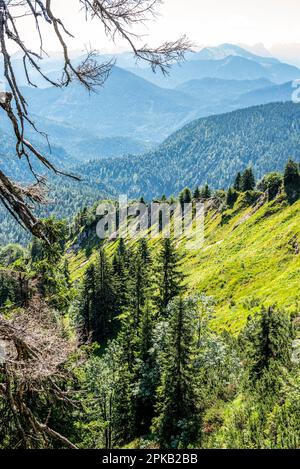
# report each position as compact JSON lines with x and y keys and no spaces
{"x":147,"y":375}
{"x":144,"y":252}
{"x":248,"y":180}
{"x":291,"y":181}
{"x":206,"y":192}
{"x":231,"y":197}
{"x":141,"y":272}
{"x":121,"y":266}
{"x":175,"y":424}
{"x":238,"y":182}
{"x":268,"y":348}
{"x":105,"y":307}
{"x":66,"y":272}
{"x":197,"y":194}
{"x":87,"y":303}
{"x":169,"y":276}
{"x":185,"y":197}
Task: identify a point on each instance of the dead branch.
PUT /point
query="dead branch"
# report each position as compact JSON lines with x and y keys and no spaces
{"x":34,"y":365}
{"x":116,"y":17}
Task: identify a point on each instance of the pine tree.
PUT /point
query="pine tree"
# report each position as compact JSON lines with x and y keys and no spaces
{"x":87,"y":303}
{"x":197,"y":194}
{"x":206,"y":192}
{"x":248,"y":180}
{"x":291,"y":181}
{"x":268,"y":348}
{"x":231,"y":197}
{"x":141,"y":281}
{"x":238,"y":182}
{"x":147,"y":376}
{"x":105,"y":302}
{"x":185,"y":197}
{"x":175,"y":424}
{"x":144,"y":252}
{"x":169,"y":276}
{"x":121,"y":265}
{"x":66,"y":273}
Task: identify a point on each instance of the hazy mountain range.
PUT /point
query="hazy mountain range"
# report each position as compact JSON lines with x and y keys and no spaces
{"x":226,"y":62}
{"x":136,"y":109}
{"x":131,"y":115}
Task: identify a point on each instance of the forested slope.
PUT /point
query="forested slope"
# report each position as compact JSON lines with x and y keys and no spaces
{"x":177,"y":344}
{"x":209,"y":150}
{"x":250,"y":257}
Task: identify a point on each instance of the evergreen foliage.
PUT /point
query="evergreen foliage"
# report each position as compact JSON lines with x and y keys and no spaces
{"x":169,"y":276}
{"x":247,"y":181}
{"x":291,"y":181}
{"x":176,"y":423}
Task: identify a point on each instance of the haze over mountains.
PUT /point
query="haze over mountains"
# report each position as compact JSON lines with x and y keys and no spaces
{"x":136,"y":137}
{"x":226,"y":62}
{"x":136,"y":109}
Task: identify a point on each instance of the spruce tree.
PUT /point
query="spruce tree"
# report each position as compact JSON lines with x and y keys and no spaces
{"x":231,"y":197}
{"x":291,"y":181}
{"x":248,"y":180}
{"x":176,"y":421}
{"x":121,"y":265}
{"x":197,"y":194}
{"x":185,"y":197}
{"x":144,"y":252}
{"x":87,"y":303}
{"x":269,"y":338}
{"x":141,"y":279}
{"x":147,"y":376}
{"x":66,"y":273}
{"x":206,"y":192}
{"x":238,"y":182}
{"x":105,"y":307}
{"x":169,"y":276}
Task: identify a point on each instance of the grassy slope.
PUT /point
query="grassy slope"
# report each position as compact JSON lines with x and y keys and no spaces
{"x":248,"y":261}
{"x":245,"y":265}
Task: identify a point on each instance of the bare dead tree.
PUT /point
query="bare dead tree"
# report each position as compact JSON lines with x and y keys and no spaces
{"x":116,"y":17}
{"x":33,"y":368}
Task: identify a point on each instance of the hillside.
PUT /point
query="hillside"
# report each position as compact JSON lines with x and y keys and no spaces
{"x":133,"y":302}
{"x":126,"y":105}
{"x":250,"y":258}
{"x":216,"y":90}
{"x":142,"y":117}
{"x":208,"y":150}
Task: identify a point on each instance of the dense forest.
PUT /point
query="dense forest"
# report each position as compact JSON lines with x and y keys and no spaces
{"x":114,"y":345}
{"x":209,"y":150}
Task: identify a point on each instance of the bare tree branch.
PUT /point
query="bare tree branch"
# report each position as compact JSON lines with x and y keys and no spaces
{"x":116,"y":17}
{"x":34,"y":365}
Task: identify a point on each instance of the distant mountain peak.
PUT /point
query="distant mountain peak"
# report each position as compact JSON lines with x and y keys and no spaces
{"x":225,"y":50}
